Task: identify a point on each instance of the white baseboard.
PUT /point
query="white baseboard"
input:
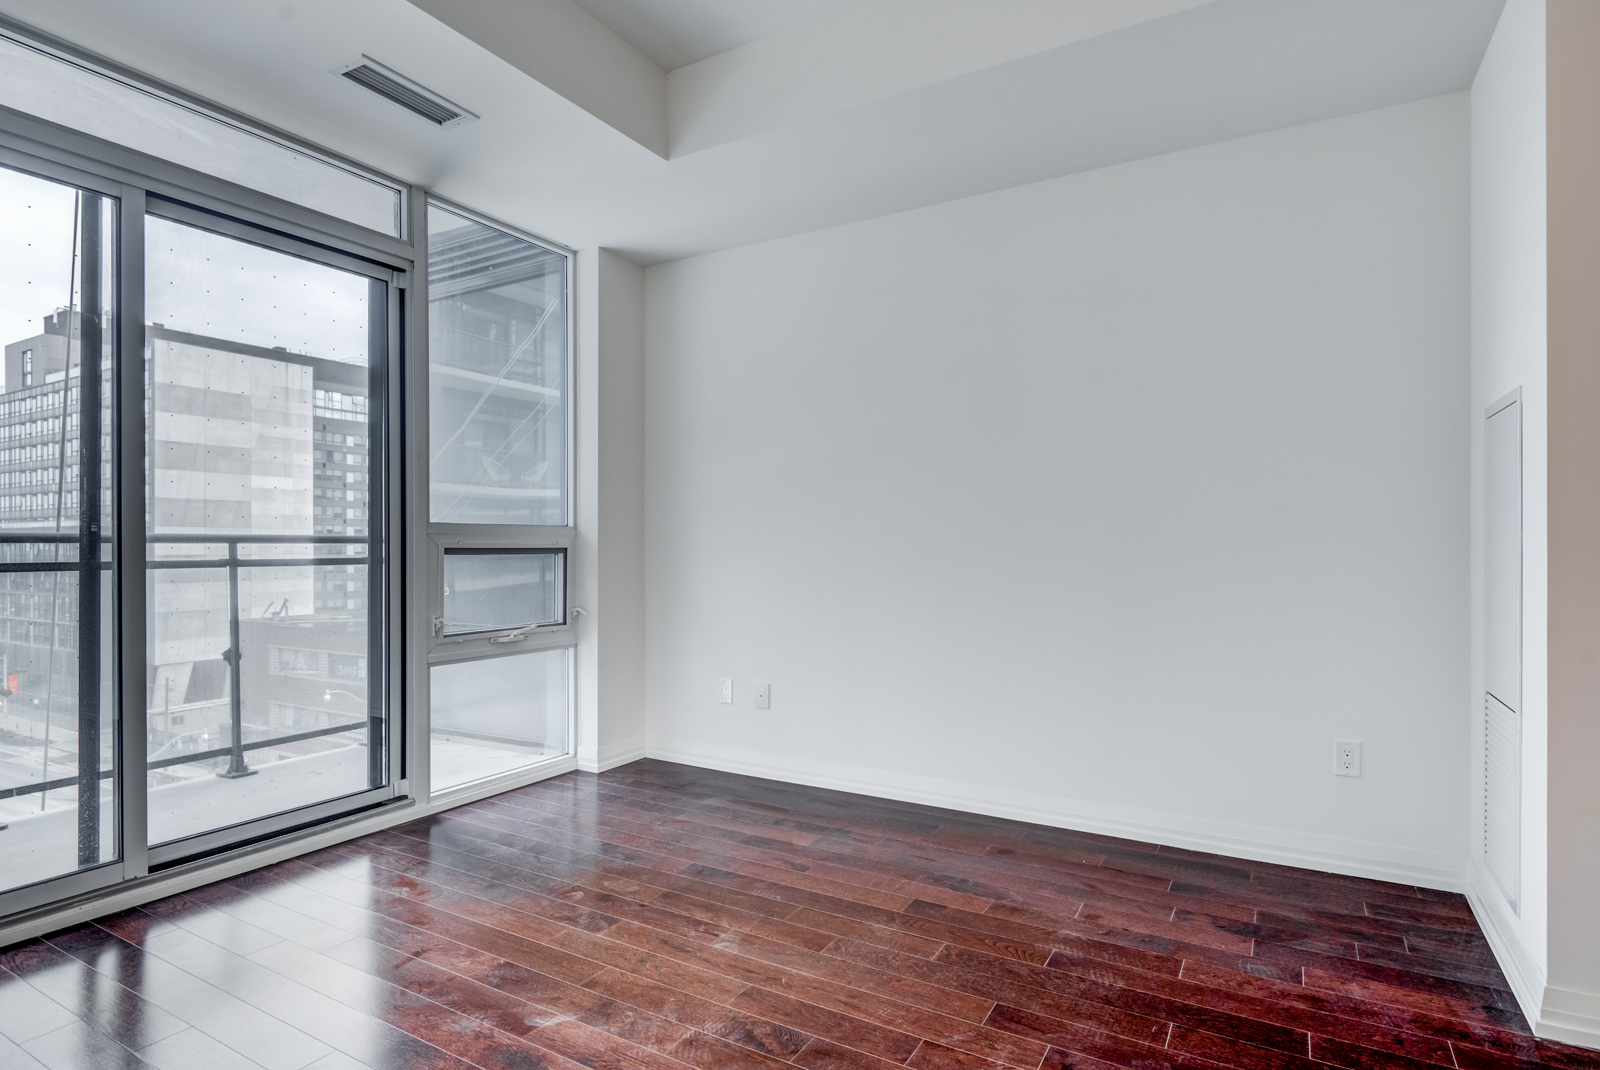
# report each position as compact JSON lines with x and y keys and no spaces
{"x":1523,"y":973}
{"x":1553,"y":1013}
{"x":1415,"y":866}
{"x":600,"y":759}
{"x":1570,"y":1017}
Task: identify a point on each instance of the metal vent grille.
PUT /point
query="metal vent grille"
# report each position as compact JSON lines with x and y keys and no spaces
{"x":1502,"y":796}
{"x":398,"y":89}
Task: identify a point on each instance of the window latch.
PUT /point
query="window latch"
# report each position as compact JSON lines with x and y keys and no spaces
{"x":514,"y":637}
{"x":438,"y":626}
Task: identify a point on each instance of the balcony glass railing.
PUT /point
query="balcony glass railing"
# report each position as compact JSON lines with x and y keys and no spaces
{"x":288,"y":688}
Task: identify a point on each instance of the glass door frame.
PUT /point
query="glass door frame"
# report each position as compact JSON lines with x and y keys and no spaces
{"x":129,"y":737}
{"x":137,"y":182}
{"x":384,"y":762}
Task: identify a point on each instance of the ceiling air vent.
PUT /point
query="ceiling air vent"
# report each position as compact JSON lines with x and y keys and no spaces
{"x":398,"y":89}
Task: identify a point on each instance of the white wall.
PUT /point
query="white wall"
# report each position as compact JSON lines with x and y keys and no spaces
{"x":1536,"y":324}
{"x":561,"y":45}
{"x":1508,"y":351}
{"x":1571,"y":1009}
{"x":1107,"y":502}
{"x":608,"y":559}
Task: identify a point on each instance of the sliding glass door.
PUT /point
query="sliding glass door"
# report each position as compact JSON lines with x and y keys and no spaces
{"x":202,"y":619}
{"x":58,"y":721}
{"x":195,"y":526}
{"x":265,"y":361}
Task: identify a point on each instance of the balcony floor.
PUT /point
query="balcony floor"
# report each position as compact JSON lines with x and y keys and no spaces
{"x":38,"y":846}
{"x":659,"y":916}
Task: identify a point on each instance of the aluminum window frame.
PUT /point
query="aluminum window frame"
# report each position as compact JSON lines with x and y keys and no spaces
{"x":128,"y":594}
{"x":385,"y":400}
{"x":64,"y":51}
{"x":61,"y":153}
{"x":90,"y":155}
{"x":427,"y":559}
{"x":504,"y":633}
{"x":145,"y":186}
{"x":491,"y":642}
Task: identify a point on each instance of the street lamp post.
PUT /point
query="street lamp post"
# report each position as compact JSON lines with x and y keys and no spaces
{"x":327,"y":696}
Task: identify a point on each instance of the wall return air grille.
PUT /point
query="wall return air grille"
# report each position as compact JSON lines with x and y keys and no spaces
{"x":1502,"y":797}
{"x":396,"y":88}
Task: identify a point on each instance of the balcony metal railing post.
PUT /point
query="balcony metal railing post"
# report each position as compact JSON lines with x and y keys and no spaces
{"x":235,"y":750}
{"x":236,"y":764}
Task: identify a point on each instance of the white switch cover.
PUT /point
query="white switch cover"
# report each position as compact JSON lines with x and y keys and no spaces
{"x":727,"y":692}
{"x":1346,"y":757}
{"x":763,"y":696}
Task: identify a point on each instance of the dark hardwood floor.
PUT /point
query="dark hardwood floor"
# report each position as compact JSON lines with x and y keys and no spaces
{"x":660,"y":916}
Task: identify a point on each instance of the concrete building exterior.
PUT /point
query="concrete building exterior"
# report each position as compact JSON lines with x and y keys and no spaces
{"x":244,"y":441}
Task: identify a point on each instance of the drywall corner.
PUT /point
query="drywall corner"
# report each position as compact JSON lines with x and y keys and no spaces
{"x":1495,"y":917}
{"x":1509,"y":348}
{"x":568,"y":50}
{"x":1571,"y":1009}
{"x":608,"y":567}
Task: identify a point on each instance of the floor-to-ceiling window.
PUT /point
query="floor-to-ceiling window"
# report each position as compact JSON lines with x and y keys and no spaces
{"x":499,"y":507}
{"x":204,"y":474}
{"x":58,"y":753}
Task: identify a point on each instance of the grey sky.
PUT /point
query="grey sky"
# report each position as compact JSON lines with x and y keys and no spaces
{"x":197,"y":281}
{"x":208,"y":284}
{"x":35,"y":252}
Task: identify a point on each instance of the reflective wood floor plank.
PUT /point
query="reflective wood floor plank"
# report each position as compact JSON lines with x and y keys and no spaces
{"x":660,"y":917}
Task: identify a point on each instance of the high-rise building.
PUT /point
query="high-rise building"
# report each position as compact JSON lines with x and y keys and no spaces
{"x":39,"y":492}
{"x":245,"y":440}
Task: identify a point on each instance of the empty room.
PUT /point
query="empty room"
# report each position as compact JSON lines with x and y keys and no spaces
{"x":831,"y":534}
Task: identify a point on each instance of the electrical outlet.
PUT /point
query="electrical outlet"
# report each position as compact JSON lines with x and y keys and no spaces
{"x":763,"y":696}
{"x":1346,"y":757}
{"x":727,"y":692}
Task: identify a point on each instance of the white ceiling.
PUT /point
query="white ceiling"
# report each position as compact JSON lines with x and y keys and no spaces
{"x":676,"y":33}
{"x":806,"y":128}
